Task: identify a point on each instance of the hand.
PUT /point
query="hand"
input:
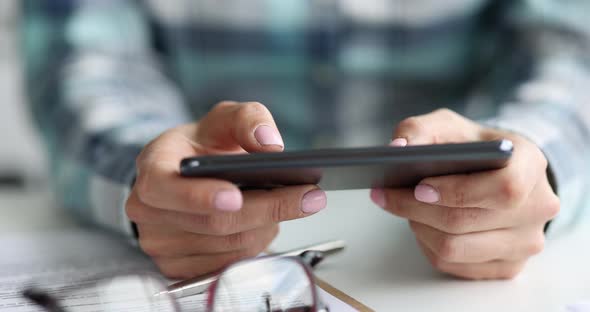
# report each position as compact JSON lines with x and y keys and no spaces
{"x":481,"y":225}
{"x":193,"y":226}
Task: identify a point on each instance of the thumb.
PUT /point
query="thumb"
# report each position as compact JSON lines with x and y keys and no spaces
{"x":231,"y":125}
{"x":439,"y":127}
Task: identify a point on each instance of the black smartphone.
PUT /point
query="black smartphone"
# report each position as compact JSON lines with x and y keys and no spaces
{"x":351,"y":168}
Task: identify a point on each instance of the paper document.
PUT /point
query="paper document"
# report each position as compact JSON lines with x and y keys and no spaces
{"x":66,"y":258}
{"x":57,"y":259}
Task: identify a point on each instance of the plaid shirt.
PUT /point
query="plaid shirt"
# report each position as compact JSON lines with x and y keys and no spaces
{"x":106,"y":77}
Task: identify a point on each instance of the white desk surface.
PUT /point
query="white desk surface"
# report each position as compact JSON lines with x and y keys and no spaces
{"x":383,"y":267}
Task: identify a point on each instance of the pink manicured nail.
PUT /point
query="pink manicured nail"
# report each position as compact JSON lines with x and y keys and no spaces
{"x":399,"y":142}
{"x":378,"y":197}
{"x":426,"y":193}
{"x":266,"y":135}
{"x":314,"y":201}
{"x":228,"y":201}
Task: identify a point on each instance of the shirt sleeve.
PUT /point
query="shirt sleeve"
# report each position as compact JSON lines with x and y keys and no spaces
{"x":98,"y":94}
{"x":551,"y":106}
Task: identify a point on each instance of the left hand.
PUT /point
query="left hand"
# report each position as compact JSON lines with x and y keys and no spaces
{"x":480,"y":225}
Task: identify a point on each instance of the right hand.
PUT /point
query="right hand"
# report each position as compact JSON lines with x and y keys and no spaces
{"x":193,"y":226}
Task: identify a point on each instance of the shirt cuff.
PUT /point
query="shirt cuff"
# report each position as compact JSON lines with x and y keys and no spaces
{"x":108,"y":199}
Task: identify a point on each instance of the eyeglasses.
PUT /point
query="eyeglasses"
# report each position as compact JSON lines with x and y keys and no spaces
{"x":265,"y":284}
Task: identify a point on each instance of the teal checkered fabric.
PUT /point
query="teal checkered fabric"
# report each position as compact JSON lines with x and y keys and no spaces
{"x":105,"y":77}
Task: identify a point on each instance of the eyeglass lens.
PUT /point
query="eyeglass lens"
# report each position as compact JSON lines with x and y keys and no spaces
{"x":265,"y":285}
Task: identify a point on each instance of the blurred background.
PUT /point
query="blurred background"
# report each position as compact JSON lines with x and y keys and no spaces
{"x":21,"y":153}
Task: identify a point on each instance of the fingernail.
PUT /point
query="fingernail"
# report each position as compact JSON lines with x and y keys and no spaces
{"x":378,"y":197}
{"x":314,"y":201}
{"x":228,"y":201}
{"x":399,"y":142}
{"x":426,"y":194}
{"x":267,"y":135}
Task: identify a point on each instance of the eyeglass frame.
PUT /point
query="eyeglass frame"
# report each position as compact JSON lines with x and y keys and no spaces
{"x":307,"y":260}
{"x":303,"y":260}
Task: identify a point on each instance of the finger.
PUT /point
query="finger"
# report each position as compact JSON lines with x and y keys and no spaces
{"x":401,"y":202}
{"x":188,"y":267}
{"x":160,"y":185}
{"x":438,"y":127}
{"x":476,"y":271}
{"x":247,"y":125}
{"x":159,"y":242}
{"x":261,"y":208}
{"x":481,"y":246}
{"x":543,"y":204}
{"x":504,"y":188}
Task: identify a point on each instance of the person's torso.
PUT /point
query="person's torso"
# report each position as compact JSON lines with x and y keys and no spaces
{"x":333,"y":72}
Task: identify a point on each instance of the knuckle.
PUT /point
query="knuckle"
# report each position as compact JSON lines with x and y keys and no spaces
{"x":192,"y":222}
{"x":411,"y":124}
{"x":529,"y":148}
{"x":254,"y":250}
{"x":133,"y":211}
{"x":438,"y":263}
{"x":141,"y":158}
{"x":509,"y":273}
{"x":512,"y":190}
{"x":537,"y":245}
{"x":279,"y":210}
{"x":542,"y":160}
{"x":151,"y":248}
{"x":448,"y":248}
{"x":249,"y":109}
{"x":222,"y":105}
{"x":396,"y":207}
{"x":445,"y":112}
{"x":552,"y":207}
{"x":222,"y":225}
{"x":256,"y":107}
{"x":240,"y":240}
{"x":171,"y":271}
{"x":459,"y":195}
{"x":147,"y":152}
{"x":144,"y":183}
{"x":143,"y":186}
{"x":457,"y":220}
